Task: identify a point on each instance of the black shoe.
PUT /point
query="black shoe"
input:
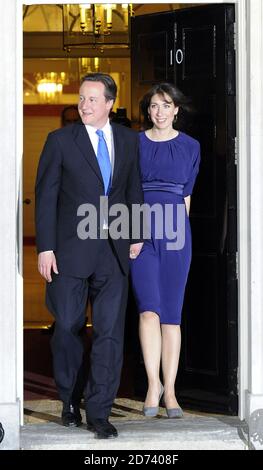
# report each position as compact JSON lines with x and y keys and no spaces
{"x":71,"y":416}
{"x":102,"y":428}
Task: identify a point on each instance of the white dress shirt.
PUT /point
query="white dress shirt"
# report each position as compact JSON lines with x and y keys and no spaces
{"x":94,"y":138}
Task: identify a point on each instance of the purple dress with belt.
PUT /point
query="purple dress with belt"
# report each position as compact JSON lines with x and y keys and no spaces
{"x":159,"y":274}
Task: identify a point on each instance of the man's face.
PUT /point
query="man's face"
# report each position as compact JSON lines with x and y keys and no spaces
{"x":93,"y":107}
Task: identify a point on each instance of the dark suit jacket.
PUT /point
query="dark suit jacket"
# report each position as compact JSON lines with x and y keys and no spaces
{"x":68,"y":176}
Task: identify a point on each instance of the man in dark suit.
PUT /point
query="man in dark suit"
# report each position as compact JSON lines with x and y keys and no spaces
{"x":79,"y":164}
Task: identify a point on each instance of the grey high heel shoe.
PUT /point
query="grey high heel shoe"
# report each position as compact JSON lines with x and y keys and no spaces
{"x":151,"y":411}
{"x":174,"y":412}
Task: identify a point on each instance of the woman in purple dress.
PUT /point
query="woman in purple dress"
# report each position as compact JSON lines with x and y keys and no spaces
{"x":169,"y":162}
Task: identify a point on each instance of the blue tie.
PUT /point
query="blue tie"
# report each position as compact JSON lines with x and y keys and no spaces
{"x":104,"y":160}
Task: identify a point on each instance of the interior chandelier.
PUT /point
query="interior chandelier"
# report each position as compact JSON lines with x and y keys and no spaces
{"x":50,"y":86}
{"x":97,"y":25}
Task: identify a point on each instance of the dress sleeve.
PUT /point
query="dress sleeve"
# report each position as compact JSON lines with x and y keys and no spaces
{"x":188,"y":188}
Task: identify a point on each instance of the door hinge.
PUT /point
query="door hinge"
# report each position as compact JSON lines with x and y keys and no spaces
{"x":215,"y":131}
{"x":235,"y":36}
{"x":237,"y":266}
{"x":236,"y":150}
{"x":238,"y":379}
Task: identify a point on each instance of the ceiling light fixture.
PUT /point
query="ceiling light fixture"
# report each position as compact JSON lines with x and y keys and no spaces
{"x":96,"y":25}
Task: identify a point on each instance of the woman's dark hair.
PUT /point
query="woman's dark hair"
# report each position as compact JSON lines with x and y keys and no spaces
{"x":178,"y":98}
{"x":106,"y":80}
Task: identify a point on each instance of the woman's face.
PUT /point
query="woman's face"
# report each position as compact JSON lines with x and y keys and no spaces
{"x":162,"y":111}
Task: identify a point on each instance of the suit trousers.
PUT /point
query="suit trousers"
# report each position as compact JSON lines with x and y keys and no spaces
{"x":66,"y":298}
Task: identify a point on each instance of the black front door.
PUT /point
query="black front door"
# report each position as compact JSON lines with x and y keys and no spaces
{"x":194,"y":48}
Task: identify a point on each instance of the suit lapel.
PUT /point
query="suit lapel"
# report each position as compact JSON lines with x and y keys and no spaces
{"x":82,"y":140}
{"x":118,"y":151}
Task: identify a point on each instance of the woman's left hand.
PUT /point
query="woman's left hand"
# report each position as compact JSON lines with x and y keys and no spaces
{"x":135,"y":249}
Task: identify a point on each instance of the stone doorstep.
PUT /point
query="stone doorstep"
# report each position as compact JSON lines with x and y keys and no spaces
{"x":207,"y":433}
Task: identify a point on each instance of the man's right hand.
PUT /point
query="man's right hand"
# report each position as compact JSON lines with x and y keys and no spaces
{"x":47,"y":263}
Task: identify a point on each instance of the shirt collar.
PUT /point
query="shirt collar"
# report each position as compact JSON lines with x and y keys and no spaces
{"x":106,"y":129}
